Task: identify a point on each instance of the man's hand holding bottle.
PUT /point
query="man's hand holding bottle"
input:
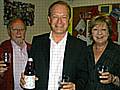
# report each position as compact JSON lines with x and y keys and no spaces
{"x":28,"y":78}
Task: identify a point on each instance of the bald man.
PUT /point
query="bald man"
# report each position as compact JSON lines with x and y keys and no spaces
{"x":17,"y":49}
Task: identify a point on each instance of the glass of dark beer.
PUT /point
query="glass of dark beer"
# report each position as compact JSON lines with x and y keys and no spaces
{"x":6,"y":58}
{"x":102,"y":68}
{"x":63,"y":80}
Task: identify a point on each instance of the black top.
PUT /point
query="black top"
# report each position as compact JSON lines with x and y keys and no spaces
{"x":111,"y":58}
{"x":74,"y":64}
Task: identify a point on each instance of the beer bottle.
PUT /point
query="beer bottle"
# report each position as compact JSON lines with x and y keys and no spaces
{"x":29,"y":75}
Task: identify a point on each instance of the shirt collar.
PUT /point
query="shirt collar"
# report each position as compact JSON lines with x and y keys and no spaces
{"x":63,"y":40}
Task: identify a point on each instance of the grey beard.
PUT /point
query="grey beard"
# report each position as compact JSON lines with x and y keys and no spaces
{"x":19,"y":42}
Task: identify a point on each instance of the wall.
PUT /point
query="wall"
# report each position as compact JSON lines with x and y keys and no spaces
{"x":40,"y":26}
{"x":41,"y":6}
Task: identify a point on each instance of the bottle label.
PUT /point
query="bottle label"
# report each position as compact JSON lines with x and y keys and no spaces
{"x":30,"y":82}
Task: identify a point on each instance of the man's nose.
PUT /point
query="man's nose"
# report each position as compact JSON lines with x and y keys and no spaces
{"x":59,"y":20}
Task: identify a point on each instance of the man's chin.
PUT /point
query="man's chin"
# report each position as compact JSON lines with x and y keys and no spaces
{"x":60,"y":32}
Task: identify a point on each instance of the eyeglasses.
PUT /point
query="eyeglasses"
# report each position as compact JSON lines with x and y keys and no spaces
{"x":14,"y":30}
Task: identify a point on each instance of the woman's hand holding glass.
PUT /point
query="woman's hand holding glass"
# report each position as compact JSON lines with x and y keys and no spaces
{"x":105,"y":76}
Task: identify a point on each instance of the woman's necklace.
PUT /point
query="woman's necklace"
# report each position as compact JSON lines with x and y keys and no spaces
{"x":98,"y":51}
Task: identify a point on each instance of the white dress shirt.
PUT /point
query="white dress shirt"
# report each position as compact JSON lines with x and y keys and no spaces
{"x":56,"y":62}
{"x":20,"y":58}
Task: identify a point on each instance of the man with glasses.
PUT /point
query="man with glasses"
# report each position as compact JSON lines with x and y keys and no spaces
{"x":17,"y":49}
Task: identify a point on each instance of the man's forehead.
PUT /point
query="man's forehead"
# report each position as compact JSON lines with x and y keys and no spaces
{"x":19,"y":21}
{"x":17,"y":25}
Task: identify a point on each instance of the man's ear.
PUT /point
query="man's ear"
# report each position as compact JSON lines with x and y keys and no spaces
{"x":49,"y":20}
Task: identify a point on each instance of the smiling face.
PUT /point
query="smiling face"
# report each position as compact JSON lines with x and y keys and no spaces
{"x":17,"y":31}
{"x":100,"y":29}
{"x":59,"y":19}
{"x":100,"y":33}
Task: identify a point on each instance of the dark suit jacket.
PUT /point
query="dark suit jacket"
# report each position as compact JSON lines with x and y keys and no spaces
{"x":74,"y":63}
{"x":7,"y":80}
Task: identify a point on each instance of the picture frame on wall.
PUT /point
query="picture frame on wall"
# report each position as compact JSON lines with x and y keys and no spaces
{"x":105,"y":9}
{"x":14,"y":9}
